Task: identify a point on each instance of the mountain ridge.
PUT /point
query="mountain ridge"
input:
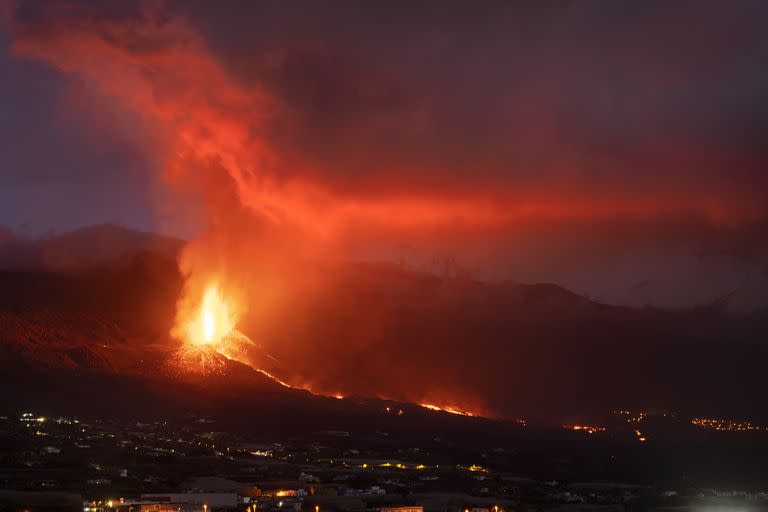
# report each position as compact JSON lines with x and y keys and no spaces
{"x":536,"y":350}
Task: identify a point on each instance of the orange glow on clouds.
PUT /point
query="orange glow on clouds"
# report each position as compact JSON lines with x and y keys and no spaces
{"x":208,"y":118}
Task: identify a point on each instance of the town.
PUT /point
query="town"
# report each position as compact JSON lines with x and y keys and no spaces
{"x":63,"y":463}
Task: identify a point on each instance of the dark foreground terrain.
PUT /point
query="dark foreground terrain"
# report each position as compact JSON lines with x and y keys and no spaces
{"x":392,"y":459}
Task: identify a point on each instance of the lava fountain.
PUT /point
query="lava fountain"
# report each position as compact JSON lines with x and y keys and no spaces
{"x":213,"y":322}
{"x":207,"y":329}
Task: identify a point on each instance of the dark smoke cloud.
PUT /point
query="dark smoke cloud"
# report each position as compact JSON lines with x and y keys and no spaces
{"x":648,"y":98}
{"x":627,"y":141}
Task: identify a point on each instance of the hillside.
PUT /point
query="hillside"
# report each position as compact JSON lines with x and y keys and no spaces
{"x":570,"y":357}
{"x":104,"y":244}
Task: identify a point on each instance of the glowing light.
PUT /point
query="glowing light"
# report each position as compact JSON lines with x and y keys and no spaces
{"x":452,"y":410}
{"x":213,"y":320}
{"x":724,"y":425}
{"x":475,"y":468}
{"x":631,"y":417}
{"x":589,"y":429}
{"x":209,"y":325}
{"x":269,"y":375}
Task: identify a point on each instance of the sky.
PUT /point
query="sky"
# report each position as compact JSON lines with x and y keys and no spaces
{"x":617,"y":149}
{"x":53,"y":180}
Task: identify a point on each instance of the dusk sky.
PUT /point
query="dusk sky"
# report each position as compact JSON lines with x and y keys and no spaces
{"x":591,"y":144}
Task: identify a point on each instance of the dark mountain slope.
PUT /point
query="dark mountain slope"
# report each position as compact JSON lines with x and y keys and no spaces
{"x":104,"y":244}
{"x":536,"y":351}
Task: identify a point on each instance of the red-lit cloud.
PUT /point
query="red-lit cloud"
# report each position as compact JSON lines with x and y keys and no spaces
{"x":515,"y":139}
{"x":316,"y":135}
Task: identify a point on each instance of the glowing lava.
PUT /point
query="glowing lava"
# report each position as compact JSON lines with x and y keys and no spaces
{"x":451,"y":410}
{"x":208,"y":328}
{"x":211,"y":329}
{"x":214,"y":320}
{"x":209,"y":325}
{"x":282,"y":383}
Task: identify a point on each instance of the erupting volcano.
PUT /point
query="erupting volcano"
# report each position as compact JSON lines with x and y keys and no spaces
{"x":211,"y":328}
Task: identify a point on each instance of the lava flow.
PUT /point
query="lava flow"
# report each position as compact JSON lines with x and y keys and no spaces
{"x":452,"y":410}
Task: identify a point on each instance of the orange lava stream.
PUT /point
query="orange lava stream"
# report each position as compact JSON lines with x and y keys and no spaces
{"x":448,"y":409}
{"x":269,"y":375}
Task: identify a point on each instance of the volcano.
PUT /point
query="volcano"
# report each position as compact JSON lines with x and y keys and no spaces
{"x":95,"y":338}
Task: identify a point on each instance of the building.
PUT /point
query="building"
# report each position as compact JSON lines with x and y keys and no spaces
{"x":145,"y":506}
{"x":202,"y":500}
